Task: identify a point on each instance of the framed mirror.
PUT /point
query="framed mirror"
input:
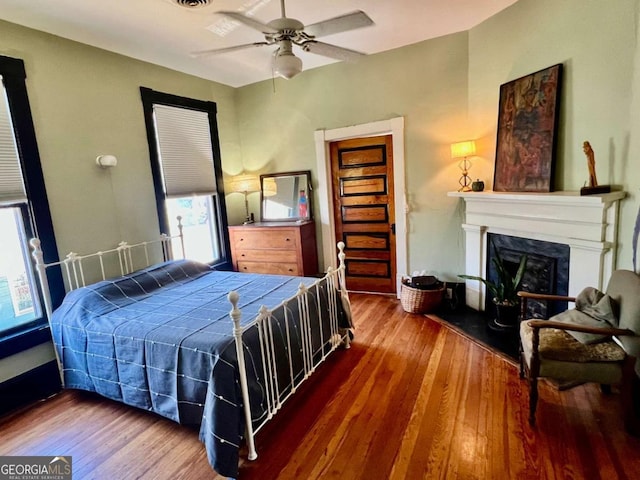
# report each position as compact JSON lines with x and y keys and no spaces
{"x":285,"y":197}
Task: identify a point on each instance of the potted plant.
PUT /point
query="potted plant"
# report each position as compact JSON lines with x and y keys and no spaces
{"x":504,"y":290}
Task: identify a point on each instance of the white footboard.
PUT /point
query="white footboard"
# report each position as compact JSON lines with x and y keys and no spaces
{"x":335,"y":282}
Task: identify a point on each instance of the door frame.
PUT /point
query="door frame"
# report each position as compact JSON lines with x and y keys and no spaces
{"x":393,"y":127}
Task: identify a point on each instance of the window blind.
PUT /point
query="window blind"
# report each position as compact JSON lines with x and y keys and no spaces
{"x":11,"y":182}
{"x":184,"y":147}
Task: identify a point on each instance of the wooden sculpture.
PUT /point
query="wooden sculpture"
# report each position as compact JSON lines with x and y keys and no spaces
{"x":593,"y":181}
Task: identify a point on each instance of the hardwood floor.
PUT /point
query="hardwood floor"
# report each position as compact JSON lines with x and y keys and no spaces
{"x":411,"y":399}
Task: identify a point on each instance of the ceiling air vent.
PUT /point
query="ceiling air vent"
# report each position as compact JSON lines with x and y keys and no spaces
{"x":192,"y":3}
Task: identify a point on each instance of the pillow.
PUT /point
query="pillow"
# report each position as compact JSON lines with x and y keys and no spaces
{"x":597,"y":305}
{"x":593,"y":309}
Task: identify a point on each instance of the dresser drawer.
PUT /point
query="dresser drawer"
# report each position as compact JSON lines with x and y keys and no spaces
{"x":274,"y":268}
{"x":271,"y":256}
{"x":258,"y":239}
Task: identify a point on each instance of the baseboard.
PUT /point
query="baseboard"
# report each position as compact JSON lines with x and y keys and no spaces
{"x":31,"y":386}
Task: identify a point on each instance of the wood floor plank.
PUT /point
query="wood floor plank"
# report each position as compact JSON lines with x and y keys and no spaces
{"x":412,"y":399}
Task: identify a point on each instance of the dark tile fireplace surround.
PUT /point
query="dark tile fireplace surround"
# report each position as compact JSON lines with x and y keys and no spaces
{"x":547,"y":271}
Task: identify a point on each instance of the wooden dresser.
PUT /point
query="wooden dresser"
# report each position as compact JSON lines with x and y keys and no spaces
{"x":283,"y":248}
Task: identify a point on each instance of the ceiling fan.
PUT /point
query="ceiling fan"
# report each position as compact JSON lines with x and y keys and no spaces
{"x":286,"y":32}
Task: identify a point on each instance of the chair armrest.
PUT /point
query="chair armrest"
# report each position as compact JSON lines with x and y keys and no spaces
{"x":545,"y":296}
{"x":580,"y":328}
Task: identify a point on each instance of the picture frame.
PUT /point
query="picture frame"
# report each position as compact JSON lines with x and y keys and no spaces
{"x":527,"y":135}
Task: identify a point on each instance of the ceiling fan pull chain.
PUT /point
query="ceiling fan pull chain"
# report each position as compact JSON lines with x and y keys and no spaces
{"x":273,"y":70}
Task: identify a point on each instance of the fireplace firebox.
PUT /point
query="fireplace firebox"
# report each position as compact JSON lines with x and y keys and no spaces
{"x":547,"y":270}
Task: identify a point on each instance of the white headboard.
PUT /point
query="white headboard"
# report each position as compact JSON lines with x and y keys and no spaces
{"x":125,"y":257}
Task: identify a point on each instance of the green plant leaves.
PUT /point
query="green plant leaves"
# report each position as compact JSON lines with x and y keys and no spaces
{"x":505,"y":289}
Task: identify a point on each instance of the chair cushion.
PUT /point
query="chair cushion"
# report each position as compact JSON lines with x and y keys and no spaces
{"x":559,"y":345}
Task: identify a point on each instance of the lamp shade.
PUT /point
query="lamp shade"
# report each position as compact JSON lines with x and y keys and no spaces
{"x":244,"y":183}
{"x":287,"y":65}
{"x":463,"y":149}
{"x":269,"y":187}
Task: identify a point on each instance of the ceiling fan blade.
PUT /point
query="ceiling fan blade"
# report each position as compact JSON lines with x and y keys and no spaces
{"x":249,"y":22}
{"x":217,"y":51}
{"x":332,"y":51}
{"x":343,"y":23}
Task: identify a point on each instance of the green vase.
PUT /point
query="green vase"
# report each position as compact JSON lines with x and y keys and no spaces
{"x":477,"y":186}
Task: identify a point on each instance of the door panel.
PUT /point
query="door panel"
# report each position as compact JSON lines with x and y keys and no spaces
{"x":371,"y":241}
{"x":364,"y":214}
{"x":363,"y":185}
{"x":362,"y":172}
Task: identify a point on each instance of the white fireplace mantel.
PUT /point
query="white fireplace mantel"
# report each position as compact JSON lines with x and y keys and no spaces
{"x":587,"y":224}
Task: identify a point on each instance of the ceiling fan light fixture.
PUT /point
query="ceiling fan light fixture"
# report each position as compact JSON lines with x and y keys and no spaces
{"x":287,"y":65}
{"x":192,"y":3}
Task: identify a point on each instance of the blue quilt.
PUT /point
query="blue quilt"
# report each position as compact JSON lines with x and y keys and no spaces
{"x":161,"y":339}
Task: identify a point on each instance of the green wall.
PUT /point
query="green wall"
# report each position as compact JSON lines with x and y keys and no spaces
{"x":86,"y":102}
{"x":447,"y":89}
{"x":426,"y":83}
{"x":596,"y":42}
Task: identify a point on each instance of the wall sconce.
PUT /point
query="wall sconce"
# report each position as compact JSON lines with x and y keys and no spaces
{"x":464,"y":150}
{"x":245,"y":184}
{"x":106,"y":161}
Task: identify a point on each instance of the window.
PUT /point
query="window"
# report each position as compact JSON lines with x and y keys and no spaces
{"x":187,"y":173}
{"x":23,"y":211}
{"x":18,"y":301}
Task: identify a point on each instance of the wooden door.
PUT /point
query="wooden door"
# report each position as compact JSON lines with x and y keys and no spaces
{"x":362,"y":173}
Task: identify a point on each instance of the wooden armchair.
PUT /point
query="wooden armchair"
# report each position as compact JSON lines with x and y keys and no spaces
{"x":547,"y":350}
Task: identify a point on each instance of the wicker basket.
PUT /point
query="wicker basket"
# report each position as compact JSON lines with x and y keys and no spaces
{"x":415,"y":300}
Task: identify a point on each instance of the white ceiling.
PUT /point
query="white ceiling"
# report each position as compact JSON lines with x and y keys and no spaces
{"x":163,"y":33}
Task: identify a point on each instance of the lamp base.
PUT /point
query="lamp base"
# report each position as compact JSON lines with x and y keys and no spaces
{"x":465,"y":180}
{"x":465,"y":183}
{"x":249,"y":219}
{"x":595,"y":190}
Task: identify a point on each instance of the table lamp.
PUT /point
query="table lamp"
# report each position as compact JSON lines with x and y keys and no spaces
{"x":246,"y":184}
{"x":464,"y":150}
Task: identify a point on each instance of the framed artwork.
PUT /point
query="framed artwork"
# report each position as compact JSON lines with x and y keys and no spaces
{"x":527,"y":132}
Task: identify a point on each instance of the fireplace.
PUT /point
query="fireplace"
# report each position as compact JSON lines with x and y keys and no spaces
{"x":585,"y":225}
{"x":547,"y":270}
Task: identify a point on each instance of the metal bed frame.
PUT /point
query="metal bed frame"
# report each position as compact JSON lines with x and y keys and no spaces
{"x":73,"y":270}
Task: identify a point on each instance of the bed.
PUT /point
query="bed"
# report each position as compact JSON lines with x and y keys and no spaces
{"x":218,"y":351}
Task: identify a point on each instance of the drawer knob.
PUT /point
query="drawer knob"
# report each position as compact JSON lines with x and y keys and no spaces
{"x":287,"y":239}
{"x":242,"y":255}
